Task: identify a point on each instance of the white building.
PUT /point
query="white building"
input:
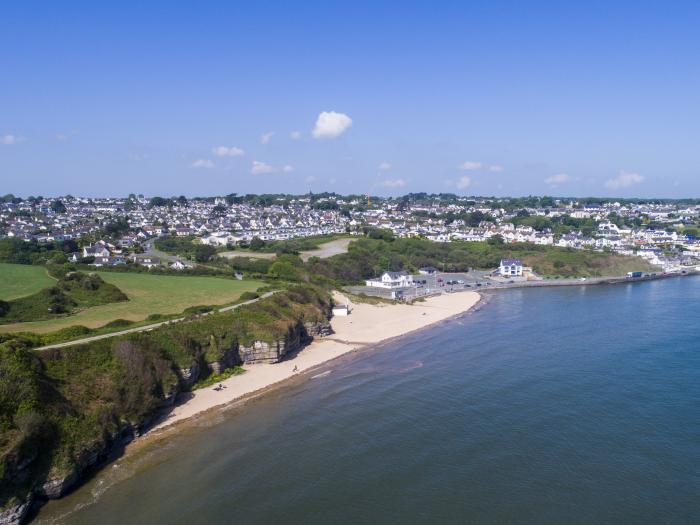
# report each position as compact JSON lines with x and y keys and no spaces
{"x":341,"y":310}
{"x":511,"y":268}
{"x":391,"y":280}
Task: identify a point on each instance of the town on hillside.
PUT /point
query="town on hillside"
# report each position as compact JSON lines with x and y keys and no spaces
{"x":115,"y":231}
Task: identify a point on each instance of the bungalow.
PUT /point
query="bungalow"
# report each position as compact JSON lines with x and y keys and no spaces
{"x":108,"y":261}
{"x":148,"y":261}
{"x":391,"y":280}
{"x":511,"y":268}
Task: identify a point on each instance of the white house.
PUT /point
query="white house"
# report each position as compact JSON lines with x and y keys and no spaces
{"x":511,"y":268}
{"x":391,"y":280}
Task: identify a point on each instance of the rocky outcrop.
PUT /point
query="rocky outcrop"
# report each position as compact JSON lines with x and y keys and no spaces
{"x":318,"y":329}
{"x":231,"y":357}
{"x":190,"y":375}
{"x":295,"y":339}
{"x":15,"y":513}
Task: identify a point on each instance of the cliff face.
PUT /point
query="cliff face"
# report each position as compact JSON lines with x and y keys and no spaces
{"x":274,"y":351}
{"x":67,"y":409}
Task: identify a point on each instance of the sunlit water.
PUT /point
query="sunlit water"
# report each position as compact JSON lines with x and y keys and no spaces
{"x":550,"y":406}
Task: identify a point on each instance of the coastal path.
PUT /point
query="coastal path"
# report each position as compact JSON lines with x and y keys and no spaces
{"x":148,"y":327}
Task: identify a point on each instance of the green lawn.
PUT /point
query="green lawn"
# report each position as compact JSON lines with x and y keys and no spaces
{"x":148,"y":294}
{"x":18,"y":280}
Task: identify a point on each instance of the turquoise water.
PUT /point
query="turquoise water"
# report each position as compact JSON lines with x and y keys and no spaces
{"x":550,"y":406}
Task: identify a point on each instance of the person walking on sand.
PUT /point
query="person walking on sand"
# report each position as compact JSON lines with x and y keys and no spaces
{"x":295,"y":368}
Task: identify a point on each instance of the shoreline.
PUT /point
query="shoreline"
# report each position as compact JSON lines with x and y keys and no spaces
{"x":366,"y":327}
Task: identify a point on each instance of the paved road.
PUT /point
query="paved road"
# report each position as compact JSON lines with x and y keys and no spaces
{"x":150,"y":249}
{"x":149,"y":326}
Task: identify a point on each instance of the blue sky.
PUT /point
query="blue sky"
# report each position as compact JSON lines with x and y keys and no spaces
{"x":478,"y":98}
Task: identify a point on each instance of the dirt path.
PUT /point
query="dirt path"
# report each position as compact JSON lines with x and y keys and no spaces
{"x":328,"y":249}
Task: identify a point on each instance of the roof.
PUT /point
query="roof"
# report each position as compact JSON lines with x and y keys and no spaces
{"x":511,"y":262}
{"x":396,"y":275}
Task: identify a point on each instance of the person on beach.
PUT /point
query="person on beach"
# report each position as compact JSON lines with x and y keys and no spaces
{"x":295,"y":368}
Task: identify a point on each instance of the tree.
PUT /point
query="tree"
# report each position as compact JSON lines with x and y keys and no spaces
{"x":58,"y":207}
{"x":257,"y":244}
{"x":495,"y":240}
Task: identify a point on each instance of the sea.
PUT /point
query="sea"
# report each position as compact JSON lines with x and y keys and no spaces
{"x":562,"y":405}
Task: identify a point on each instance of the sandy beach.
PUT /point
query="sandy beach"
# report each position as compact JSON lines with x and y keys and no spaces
{"x":366,"y":325}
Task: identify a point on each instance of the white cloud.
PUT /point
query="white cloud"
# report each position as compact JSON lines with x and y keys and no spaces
{"x":288,"y":168}
{"x":496,"y":168}
{"x":259,"y":168}
{"x":393,"y":183}
{"x":470,"y":166}
{"x":384,"y":166}
{"x":266,"y":137}
{"x":330,"y":125}
{"x":295,"y":135}
{"x":310,"y":179}
{"x":463,"y":182}
{"x":9,"y":140}
{"x":559,"y":178}
{"x":202,"y":163}
{"x":226,"y":151}
{"x":624,"y":180}
{"x":61,"y":136}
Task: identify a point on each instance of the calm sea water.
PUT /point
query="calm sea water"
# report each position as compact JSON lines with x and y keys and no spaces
{"x":551,"y":406}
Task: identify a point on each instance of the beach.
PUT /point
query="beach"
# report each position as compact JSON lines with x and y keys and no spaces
{"x":367,"y":324}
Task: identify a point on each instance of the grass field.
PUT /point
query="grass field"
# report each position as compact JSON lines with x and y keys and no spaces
{"x":18,"y":280}
{"x":148,"y":294}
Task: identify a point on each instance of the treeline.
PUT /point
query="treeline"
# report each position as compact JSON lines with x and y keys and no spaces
{"x":185,"y":247}
{"x":17,"y":251}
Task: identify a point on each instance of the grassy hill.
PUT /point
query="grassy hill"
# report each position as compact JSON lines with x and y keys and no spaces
{"x":71,"y":292}
{"x":18,"y":280}
{"x":148,"y":294}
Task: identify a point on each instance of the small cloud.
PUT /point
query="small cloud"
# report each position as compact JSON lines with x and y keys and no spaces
{"x":10,"y":140}
{"x":496,"y":168}
{"x":226,"y":151}
{"x":137,"y":156}
{"x":559,"y":178}
{"x":624,"y":180}
{"x":384,"y":167}
{"x":463,"y":183}
{"x":288,"y":168}
{"x":266,"y":137}
{"x":61,"y":136}
{"x":202,"y":164}
{"x":393,"y":183}
{"x":310,"y":179}
{"x":295,"y":135}
{"x":470,"y":166}
{"x":260,"y":168}
{"x":330,"y":125}
{"x":332,"y":181}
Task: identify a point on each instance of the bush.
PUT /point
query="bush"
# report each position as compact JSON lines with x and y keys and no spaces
{"x":248,"y":296}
